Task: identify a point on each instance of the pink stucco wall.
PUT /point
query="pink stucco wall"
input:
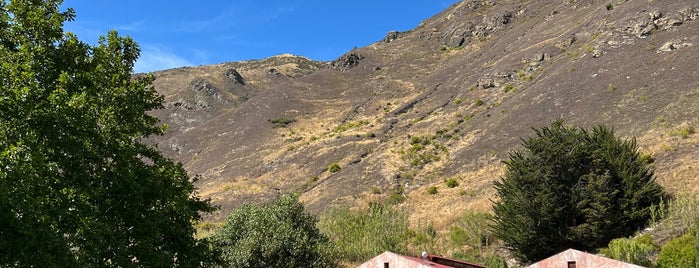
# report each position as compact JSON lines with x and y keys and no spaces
{"x":397,"y":261}
{"x":582,"y":260}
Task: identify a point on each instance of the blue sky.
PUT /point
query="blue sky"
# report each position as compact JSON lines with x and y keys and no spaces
{"x":190,"y":33}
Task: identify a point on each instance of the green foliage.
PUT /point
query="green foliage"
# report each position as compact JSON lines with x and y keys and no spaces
{"x":678,"y":214}
{"x":488,"y":259}
{"x":309,"y":183}
{"x":432,"y":190}
{"x":458,"y":236}
{"x":79,"y":186}
{"x":683,"y":131}
{"x":278,"y":234}
{"x":638,"y":250}
{"x":478,"y":102}
{"x":281,"y":122}
{"x":334,"y":167}
{"x":495,"y":261}
{"x":451,"y":182}
{"x":679,"y":252}
{"x":425,"y":238}
{"x":350,"y":125}
{"x":572,"y":188}
{"x":362,"y":234}
{"x":476,"y":227}
{"x":396,"y":197}
{"x":423,"y":150}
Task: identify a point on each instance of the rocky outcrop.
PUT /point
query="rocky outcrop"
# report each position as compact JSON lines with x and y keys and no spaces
{"x":459,"y":33}
{"x":234,"y":75}
{"x":392,"y":36}
{"x":204,"y":93}
{"x":347,"y":61}
{"x":673,"y":45}
{"x":646,"y":23}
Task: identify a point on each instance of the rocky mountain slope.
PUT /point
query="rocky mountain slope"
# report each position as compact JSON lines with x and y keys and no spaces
{"x":447,"y":99}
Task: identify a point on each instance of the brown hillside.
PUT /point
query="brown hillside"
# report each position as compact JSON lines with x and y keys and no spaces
{"x":448,"y":99}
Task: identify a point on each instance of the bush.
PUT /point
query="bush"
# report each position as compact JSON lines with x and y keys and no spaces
{"x":425,"y":238}
{"x":451,"y":183}
{"x":679,"y":252}
{"x":637,"y":250}
{"x":363,"y":234}
{"x":432,"y":190}
{"x":572,"y":188}
{"x":334,"y":167}
{"x":278,"y":234}
{"x":458,"y":235}
{"x":396,"y":197}
{"x":281,"y":122}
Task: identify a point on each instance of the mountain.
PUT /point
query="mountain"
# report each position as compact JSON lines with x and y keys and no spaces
{"x":448,"y":99}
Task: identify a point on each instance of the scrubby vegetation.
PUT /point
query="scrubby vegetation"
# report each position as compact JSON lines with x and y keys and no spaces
{"x":676,"y":226}
{"x":281,"y":122}
{"x":679,"y":252}
{"x":334,"y":167}
{"x":588,"y":182}
{"x":362,"y":234}
{"x":637,"y":250}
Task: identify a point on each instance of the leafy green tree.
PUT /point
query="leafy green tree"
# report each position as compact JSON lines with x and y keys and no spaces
{"x":278,"y":234}
{"x":78,"y":185}
{"x":570,"y":188}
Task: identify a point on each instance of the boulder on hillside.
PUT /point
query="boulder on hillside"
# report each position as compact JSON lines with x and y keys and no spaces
{"x":392,"y":36}
{"x":347,"y":61}
{"x":234,"y":75}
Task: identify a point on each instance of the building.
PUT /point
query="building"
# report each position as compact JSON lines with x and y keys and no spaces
{"x":390,"y":260}
{"x":577,"y":259}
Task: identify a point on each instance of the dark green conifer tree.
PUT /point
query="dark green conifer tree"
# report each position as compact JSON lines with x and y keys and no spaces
{"x":570,"y":188}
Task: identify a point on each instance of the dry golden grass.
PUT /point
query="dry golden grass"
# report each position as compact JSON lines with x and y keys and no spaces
{"x":677,"y":157}
{"x":442,"y":209}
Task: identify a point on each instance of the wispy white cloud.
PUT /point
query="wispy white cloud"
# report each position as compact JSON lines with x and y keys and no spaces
{"x":132,"y":27}
{"x":234,"y":16}
{"x":154,"y":58}
{"x":200,"y":55}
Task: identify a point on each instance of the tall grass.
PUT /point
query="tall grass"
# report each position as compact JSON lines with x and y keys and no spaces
{"x":678,"y":214}
{"x":360,"y":235}
{"x":472,"y":230}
